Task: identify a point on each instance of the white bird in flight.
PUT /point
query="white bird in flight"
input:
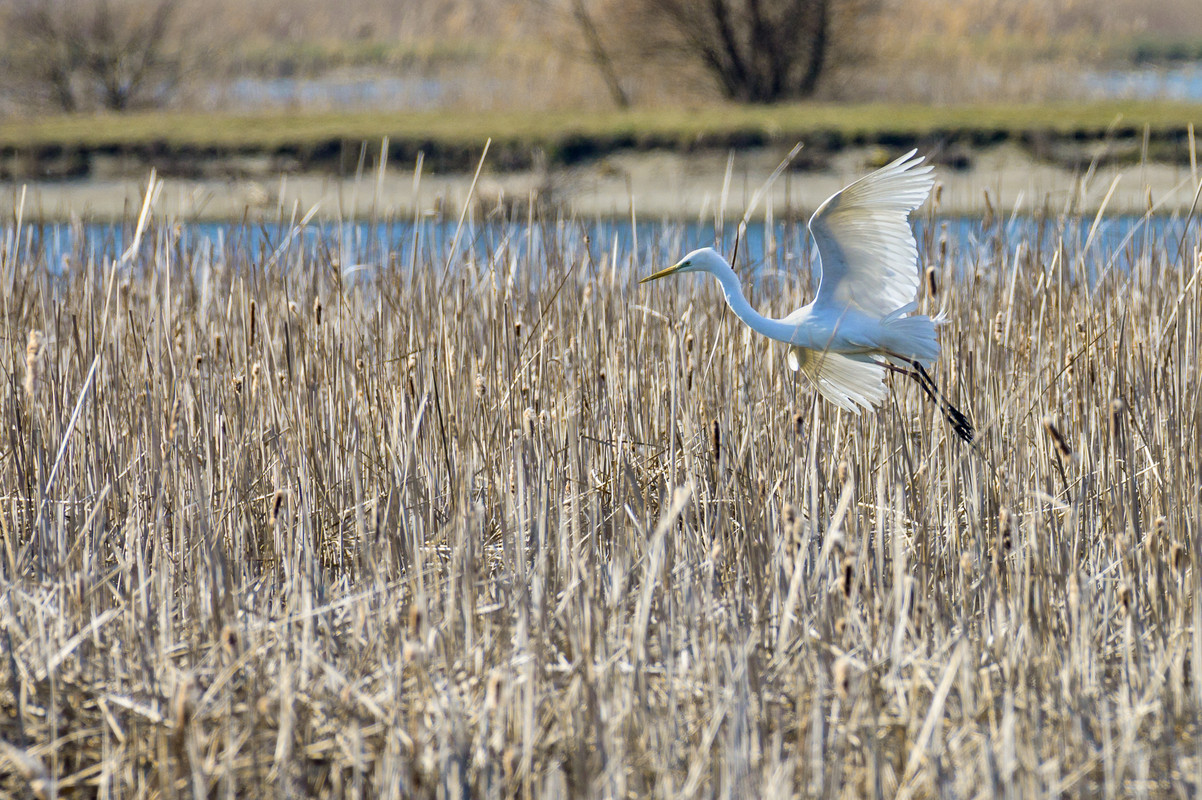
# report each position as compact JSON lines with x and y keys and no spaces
{"x":860,"y":324}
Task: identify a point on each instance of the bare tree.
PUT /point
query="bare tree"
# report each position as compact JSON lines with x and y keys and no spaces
{"x":599,"y":53}
{"x":757,"y":51}
{"x":591,"y":32}
{"x":115,"y":54}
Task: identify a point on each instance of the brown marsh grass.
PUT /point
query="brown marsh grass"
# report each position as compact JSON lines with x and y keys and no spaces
{"x":494,"y":521}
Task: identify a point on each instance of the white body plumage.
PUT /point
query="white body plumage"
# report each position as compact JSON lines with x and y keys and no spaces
{"x":861,"y":320}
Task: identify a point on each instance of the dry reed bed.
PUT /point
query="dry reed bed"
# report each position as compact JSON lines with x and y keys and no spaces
{"x":509,"y":524}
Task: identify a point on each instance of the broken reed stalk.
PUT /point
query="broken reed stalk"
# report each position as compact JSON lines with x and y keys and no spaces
{"x":417,"y":552}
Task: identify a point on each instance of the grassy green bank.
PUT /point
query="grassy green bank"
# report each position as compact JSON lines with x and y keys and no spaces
{"x":200,"y":144}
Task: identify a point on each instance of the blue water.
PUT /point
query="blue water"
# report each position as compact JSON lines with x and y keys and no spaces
{"x":372,"y":90}
{"x":362,"y":248}
{"x":339,"y":92}
{"x":1182,"y":82}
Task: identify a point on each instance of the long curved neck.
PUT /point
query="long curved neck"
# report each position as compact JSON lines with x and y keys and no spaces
{"x":772,"y":328}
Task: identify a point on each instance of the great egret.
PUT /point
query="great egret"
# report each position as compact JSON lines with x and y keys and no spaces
{"x":859,"y":324}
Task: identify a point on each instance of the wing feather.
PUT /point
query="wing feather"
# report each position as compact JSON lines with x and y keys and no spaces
{"x":848,"y":382}
{"x":868,"y":253}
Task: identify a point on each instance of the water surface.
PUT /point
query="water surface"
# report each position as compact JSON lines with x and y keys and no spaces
{"x":361,"y":249}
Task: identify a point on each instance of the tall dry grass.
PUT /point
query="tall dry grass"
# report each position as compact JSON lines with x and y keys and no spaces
{"x":297,"y":519}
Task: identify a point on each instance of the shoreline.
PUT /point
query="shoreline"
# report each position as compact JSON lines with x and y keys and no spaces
{"x":647,"y":185}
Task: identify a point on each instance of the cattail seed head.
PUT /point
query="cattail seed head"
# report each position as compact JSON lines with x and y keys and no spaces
{"x":848,"y":574}
{"x":798,"y":422}
{"x":416,"y":618}
{"x":1178,"y":558}
{"x":1156,"y":539}
{"x":1125,"y":596}
{"x":999,"y":327}
{"x":480,"y":386}
{"x":1118,"y":409}
{"x":529,"y":422}
{"x":251,"y":322}
{"x":716,"y":439}
{"x":688,"y":343}
{"x":492,"y":695}
{"x":793,"y":523}
{"x":183,"y":704}
{"x":277,"y":503}
{"x":932,"y":282}
{"x":843,"y":473}
{"x":842,"y":677}
{"x":33,"y":363}
{"x":229,"y":640}
{"x":1049,"y":427}
{"x":1004,"y":525}
{"x":317,"y":311}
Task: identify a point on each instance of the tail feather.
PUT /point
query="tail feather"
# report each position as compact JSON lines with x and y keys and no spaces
{"x":912,"y":338}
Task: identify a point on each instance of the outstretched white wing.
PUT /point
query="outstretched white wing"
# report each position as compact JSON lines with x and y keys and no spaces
{"x":869,"y":257}
{"x":848,"y":382}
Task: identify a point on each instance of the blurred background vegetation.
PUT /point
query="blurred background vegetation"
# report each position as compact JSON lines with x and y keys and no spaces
{"x":395,"y":55}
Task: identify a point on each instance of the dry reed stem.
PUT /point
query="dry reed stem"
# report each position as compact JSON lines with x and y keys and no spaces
{"x":437,"y":547}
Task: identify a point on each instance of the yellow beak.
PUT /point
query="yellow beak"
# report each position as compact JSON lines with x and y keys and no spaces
{"x":663,"y":273}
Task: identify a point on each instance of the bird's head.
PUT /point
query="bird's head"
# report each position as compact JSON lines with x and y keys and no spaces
{"x":704,"y":260}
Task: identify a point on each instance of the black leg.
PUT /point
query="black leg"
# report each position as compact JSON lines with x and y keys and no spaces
{"x":959,"y":422}
{"x":956,"y":418}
